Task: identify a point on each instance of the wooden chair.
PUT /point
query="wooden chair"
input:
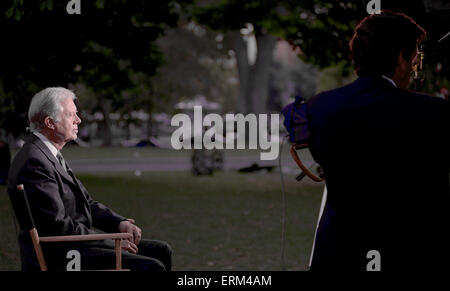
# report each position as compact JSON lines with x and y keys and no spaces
{"x":23,"y":214}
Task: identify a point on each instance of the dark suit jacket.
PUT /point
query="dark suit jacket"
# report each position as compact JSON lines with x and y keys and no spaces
{"x":385,"y":154}
{"x":59,"y":204}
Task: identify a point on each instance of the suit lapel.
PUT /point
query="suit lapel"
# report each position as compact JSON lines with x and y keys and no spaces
{"x":70,"y":179}
{"x":38,"y":142}
{"x":84,"y":198}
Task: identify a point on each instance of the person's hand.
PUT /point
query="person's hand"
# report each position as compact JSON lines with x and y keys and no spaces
{"x":128,"y":246}
{"x":129,"y":227}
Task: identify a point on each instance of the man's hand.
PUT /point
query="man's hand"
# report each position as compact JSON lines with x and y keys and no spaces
{"x":128,"y":246}
{"x":129,"y":227}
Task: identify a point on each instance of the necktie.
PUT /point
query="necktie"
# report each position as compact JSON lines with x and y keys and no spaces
{"x":62,"y":161}
{"x":69,"y":171}
{"x":67,"y":168}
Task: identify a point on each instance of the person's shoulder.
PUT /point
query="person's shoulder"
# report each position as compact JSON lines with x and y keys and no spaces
{"x":27,"y":160}
{"x":420,"y":106}
{"x":329,"y":98}
{"x":30,"y":151}
{"x":423,"y":99}
{"x":420,"y":96}
{"x":332,"y":92}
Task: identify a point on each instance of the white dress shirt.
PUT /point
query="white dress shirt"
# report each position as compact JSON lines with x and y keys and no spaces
{"x":47,"y":142}
{"x":390,"y":80}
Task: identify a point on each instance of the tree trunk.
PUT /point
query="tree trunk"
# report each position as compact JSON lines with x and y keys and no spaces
{"x":253,"y":79}
{"x":240,"y":49}
{"x":259,"y":77}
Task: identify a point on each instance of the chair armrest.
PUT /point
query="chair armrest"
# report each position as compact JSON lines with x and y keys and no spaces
{"x":85,"y":237}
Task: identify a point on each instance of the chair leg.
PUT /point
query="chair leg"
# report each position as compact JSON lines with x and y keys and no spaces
{"x":118,"y":254}
{"x":38,"y":249}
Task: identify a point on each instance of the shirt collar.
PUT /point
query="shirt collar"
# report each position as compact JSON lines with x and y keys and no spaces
{"x":47,"y":142}
{"x":390,"y":80}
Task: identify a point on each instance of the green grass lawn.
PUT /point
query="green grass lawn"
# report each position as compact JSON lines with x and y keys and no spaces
{"x":228,"y":221}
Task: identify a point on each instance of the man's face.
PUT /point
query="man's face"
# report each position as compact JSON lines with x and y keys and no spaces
{"x":66,"y":129}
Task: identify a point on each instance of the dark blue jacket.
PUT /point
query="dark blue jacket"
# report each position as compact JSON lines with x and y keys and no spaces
{"x":385,"y":154}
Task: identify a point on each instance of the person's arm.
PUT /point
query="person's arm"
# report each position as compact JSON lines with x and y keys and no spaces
{"x":107,"y":220}
{"x":103,"y":217}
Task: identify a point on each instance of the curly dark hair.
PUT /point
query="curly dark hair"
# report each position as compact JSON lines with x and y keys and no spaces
{"x":379,"y":39}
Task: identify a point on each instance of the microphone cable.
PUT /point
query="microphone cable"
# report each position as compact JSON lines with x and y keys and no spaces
{"x":283,"y":206}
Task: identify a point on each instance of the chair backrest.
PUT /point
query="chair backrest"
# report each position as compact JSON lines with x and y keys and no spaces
{"x":21,"y":207}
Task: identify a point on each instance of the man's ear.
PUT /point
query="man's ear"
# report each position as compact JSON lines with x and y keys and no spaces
{"x":49,"y":122}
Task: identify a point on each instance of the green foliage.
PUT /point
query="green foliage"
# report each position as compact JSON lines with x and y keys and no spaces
{"x":333,"y":77}
{"x":234,"y":14}
{"x":321,"y":29}
{"x":111,"y":47}
{"x":197,"y":62}
{"x":45,"y":46}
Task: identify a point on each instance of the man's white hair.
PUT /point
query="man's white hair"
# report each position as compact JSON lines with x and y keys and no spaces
{"x":47,"y":103}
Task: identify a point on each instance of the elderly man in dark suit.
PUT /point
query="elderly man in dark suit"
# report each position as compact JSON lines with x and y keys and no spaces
{"x":60,"y":204}
{"x":385,"y":154}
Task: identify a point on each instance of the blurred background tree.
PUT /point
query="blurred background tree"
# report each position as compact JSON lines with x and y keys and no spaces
{"x":319,"y":30}
{"x":149,"y":55}
{"x":101,"y":48}
{"x":197,"y":63}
